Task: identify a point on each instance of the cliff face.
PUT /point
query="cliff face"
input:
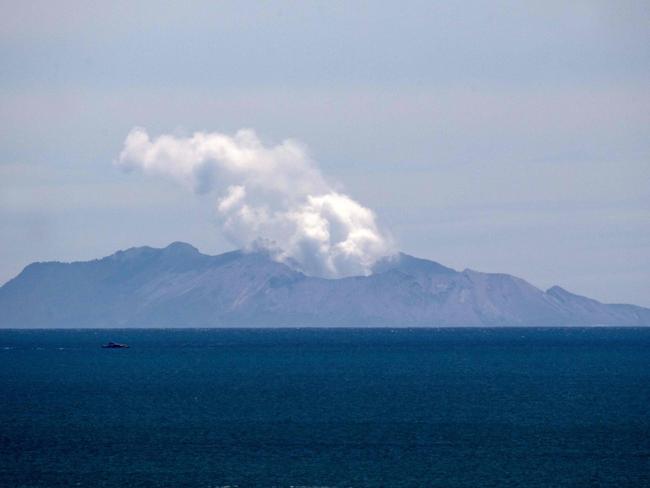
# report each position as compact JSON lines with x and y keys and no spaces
{"x":179,"y":287}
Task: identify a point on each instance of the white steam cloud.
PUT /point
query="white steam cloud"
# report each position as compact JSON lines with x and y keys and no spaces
{"x":269,"y":196}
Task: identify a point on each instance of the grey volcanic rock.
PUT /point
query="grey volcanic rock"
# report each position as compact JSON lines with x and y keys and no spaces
{"x":179,"y":287}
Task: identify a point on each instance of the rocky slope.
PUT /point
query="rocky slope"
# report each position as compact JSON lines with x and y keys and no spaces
{"x":179,"y":287}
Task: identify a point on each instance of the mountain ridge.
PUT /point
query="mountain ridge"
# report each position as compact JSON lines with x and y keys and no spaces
{"x":178,"y":286}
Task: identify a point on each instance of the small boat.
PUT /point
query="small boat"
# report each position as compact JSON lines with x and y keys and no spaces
{"x":115,"y":345}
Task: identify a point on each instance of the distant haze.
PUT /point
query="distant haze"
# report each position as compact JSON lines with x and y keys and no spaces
{"x":497,"y":136}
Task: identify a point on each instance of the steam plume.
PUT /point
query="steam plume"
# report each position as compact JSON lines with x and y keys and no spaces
{"x":269,"y":196}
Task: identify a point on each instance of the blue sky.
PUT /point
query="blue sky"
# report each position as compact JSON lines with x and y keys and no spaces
{"x":498,"y":136}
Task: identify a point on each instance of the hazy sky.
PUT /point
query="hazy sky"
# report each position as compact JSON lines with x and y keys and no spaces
{"x":497,"y":136}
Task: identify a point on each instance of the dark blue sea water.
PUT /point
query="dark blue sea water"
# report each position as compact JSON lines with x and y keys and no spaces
{"x":393,"y":408}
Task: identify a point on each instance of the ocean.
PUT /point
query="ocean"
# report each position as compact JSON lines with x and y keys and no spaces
{"x":325,"y":408}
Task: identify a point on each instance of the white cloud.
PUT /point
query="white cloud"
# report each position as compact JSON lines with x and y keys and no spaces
{"x":270,"y":195}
